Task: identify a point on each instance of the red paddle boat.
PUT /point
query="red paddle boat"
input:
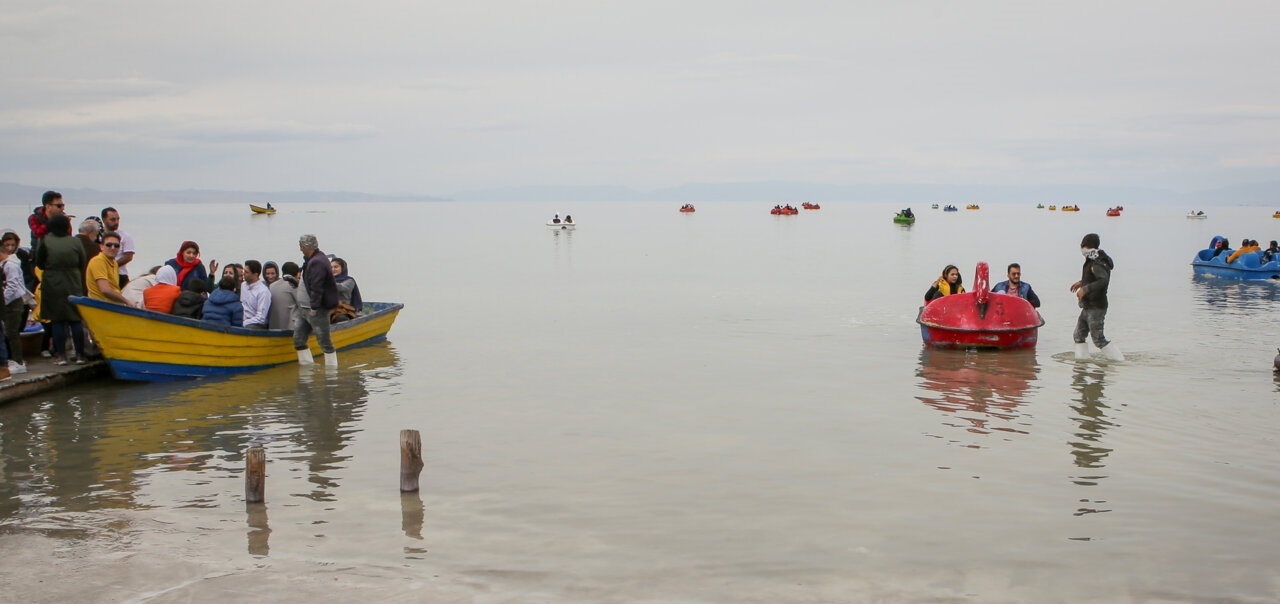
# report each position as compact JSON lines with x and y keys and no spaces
{"x":979,"y":319}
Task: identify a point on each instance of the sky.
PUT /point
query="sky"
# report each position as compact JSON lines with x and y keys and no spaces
{"x":431,"y":98}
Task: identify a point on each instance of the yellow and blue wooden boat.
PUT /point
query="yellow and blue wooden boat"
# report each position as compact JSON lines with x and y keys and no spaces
{"x":148,"y":346}
{"x":262,"y":210}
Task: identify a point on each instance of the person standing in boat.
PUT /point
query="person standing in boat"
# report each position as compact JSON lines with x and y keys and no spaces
{"x":321,"y":297}
{"x":949,"y":283}
{"x":1015,"y":286}
{"x":1091,"y":292}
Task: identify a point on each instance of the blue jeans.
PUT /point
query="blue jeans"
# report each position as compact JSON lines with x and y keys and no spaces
{"x":312,"y":321}
{"x":1091,"y":322}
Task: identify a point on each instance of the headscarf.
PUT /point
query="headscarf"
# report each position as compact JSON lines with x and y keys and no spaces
{"x":342,"y":277}
{"x":270,"y":263}
{"x":167,"y":275}
{"x":184,"y":265}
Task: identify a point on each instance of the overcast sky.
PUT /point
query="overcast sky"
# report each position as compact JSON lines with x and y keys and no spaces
{"x":432,"y":97}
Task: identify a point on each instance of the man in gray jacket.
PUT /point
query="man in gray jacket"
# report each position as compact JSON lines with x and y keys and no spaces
{"x":321,"y":296}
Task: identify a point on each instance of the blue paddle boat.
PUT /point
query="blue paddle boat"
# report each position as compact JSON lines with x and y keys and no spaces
{"x":950,"y":208}
{"x":1249,"y":265}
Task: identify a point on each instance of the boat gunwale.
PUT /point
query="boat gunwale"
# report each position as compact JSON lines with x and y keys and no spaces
{"x":380,"y":309}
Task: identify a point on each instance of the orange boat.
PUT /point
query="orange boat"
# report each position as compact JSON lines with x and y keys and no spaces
{"x":787,"y":210}
{"x":810,"y":206}
{"x":1113,"y":211}
{"x":686,"y":208}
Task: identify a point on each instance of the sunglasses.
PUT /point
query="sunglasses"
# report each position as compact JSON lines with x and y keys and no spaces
{"x":58,"y":205}
{"x":112,"y":244}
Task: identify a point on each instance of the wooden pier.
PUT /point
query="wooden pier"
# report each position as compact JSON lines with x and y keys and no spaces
{"x":43,"y":376}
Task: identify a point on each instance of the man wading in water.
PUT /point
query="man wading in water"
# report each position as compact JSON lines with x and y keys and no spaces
{"x":1091,"y":291}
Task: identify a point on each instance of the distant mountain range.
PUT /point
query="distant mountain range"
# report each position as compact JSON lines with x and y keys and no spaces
{"x":1262,"y":193}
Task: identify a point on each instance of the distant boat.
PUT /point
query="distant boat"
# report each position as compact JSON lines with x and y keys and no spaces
{"x":1201,"y":214}
{"x":904,"y":218}
{"x":1052,"y":208}
{"x":950,"y":208}
{"x":973,"y":206}
{"x":262,"y":210}
{"x":934,"y":206}
{"x":810,"y":206}
{"x":1039,"y":206}
{"x":561,"y":225}
{"x":1114,"y":211}
{"x":687,"y":208}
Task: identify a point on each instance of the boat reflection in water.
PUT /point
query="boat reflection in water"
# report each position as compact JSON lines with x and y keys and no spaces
{"x":1237,"y":297}
{"x":113,"y":447}
{"x":980,"y":390}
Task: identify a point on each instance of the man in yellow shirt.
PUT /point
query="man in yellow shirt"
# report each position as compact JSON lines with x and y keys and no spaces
{"x":102,"y":276}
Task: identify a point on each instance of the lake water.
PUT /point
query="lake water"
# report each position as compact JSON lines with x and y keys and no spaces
{"x":724,"y":406}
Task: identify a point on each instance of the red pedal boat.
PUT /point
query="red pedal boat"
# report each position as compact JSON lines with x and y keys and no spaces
{"x":979,"y":319}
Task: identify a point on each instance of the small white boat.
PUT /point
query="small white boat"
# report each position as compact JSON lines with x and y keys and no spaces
{"x":1196,"y":214}
{"x":561,"y":225}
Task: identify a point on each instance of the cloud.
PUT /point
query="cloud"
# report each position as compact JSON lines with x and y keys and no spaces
{"x":162,"y":132}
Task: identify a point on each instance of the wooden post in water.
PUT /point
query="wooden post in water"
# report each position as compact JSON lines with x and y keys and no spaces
{"x":255,"y":475}
{"x":410,"y":460}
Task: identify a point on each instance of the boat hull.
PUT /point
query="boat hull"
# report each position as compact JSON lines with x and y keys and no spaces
{"x":904,"y":220}
{"x":567,"y":226}
{"x":261,"y":210}
{"x":143,"y":345}
{"x":1247,"y":266}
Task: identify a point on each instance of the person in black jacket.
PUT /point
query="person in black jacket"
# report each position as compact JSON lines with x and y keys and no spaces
{"x":317,"y":295}
{"x":1091,"y":292}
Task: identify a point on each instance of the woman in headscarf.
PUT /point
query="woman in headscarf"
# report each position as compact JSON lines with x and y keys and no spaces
{"x":270,"y":272}
{"x":63,"y":260}
{"x":350,"y":304}
{"x":187,"y":265}
{"x":161,"y":296}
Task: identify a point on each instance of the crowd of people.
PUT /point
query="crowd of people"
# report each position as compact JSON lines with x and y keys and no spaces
{"x":39,"y":278}
{"x":1090,"y":292}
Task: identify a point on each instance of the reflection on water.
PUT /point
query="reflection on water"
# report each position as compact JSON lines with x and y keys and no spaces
{"x":1238,"y":296}
{"x":101,"y":447}
{"x":1092,"y":425}
{"x":981,"y":390}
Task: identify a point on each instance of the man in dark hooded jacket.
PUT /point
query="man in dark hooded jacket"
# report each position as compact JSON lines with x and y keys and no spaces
{"x":1091,"y":291}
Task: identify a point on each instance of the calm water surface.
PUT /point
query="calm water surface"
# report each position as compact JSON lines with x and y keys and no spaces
{"x":718,"y":407}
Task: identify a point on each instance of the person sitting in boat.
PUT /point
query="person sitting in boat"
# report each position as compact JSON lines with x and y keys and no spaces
{"x":255,"y":298}
{"x":190,"y":302}
{"x":233,"y":270}
{"x":568,"y":219}
{"x":269,"y":206}
{"x":1218,"y":244}
{"x":270,"y":272}
{"x":350,"y":304}
{"x":1246,"y":246}
{"x":556,"y":219}
{"x":223,"y":305}
{"x":949,"y":283}
{"x":132,"y":290}
{"x":188,"y":267}
{"x":1271,"y":252}
{"x":162,"y":296}
{"x":1015,"y":286}
{"x":907,"y":213}
{"x":102,"y":274}
{"x":284,"y":298}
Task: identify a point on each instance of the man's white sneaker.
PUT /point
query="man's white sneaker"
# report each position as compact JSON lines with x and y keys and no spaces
{"x":16,"y":367}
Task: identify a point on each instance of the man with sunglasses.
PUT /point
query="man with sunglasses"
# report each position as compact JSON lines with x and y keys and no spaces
{"x":102,"y":276}
{"x":51,"y":205}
